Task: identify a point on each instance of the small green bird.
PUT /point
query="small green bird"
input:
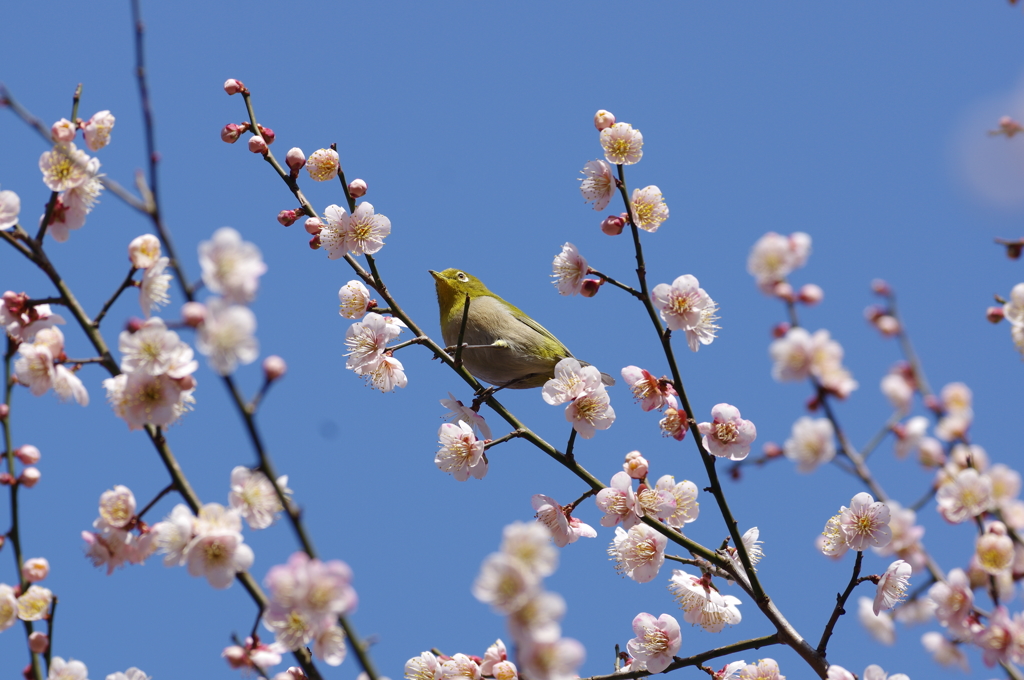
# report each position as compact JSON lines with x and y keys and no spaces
{"x":505,"y":346}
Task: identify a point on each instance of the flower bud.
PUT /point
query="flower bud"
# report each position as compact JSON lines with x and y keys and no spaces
{"x":357,"y":188}
{"x":1013,"y":250}
{"x":810,"y":294}
{"x":35,"y":569}
{"x":29,"y":477}
{"x":236,"y":656}
{"x":133,"y":324}
{"x":267,"y":134}
{"x":143,"y":251}
{"x":880,"y":287}
{"x":636,"y":465}
{"x":783,"y":291}
{"x":887,"y":325}
{"x":274,"y":367}
{"x":185,"y":383}
{"x":38,"y":642}
{"x":232,"y":131}
{"x":780,"y":329}
{"x":28,"y":673}
{"x":603,"y":119}
{"x":314,"y":242}
{"x":193,"y":313}
{"x":6,"y":479}
{"x":590,"y":287}
{"x":313,"y":226}
{"x":27,"y":454}
{"x":63,"y":131}
{"x":323,"y":164}
{"x":295,"y":159}
{"x":232,"y":86}
{"x":613,"y":225}
{"x":772,"y":450}
{"x":257,"y":145}
{"x":287,"y":217}
{"x":5,"y":411}
{"x":994,"y":314}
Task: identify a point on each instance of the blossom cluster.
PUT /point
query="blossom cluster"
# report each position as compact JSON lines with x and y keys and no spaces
{"x":306,"y":598}
{"x":799,"y":355}
{"x":155,"y":386}
{"x":685,"y":306}
{"x":774,"y":257}
{"x":119,"y":537}
{"x":210,"y":543}
{"x":582,"y":389}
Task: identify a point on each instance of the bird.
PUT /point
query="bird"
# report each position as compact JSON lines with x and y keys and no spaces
{"x":503,"y":345}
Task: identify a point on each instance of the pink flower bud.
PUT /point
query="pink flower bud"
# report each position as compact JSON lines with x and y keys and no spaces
{"x":287,"y":217}
{"x":186,"y":383}
{"x":27,"y":673}
{"x":780,"y":329}
{"x":772,"y":450}
{"x":357,"y":188}
{"x":994,"y":314}
{"x":257,"y":145}
{"x":810,"y":294}
{"x":193,"y":314}
{"x":143,"y":251}
{"x":887,"y":325}
{"x":783,"y":291}
{"x":613,"y":225}
{"x":872,"y":312}
{"x":38,"y":643}
{"x":636,"y":465}
{"x":29,"y":477}
{"x":232,"y":86}
{"x":267,"y":134}
{"x":880,"y":287}
{"x":603,"y":119}
{"x":314,"y":242}
{"x":1013,"y":250}
{"x":63,"y":131}
{"x":27,"y":454}
{"x":933,"y":403}
{"x":35,"y":569}
{"x":313,"y":226}
{"x":5,"y":411}
{"x":133,"y":324}
{"x":6,"y":479}
{"x":232,"y":131}
{"x":295,"y":159}
{"x":236,"y":656}
{"x":274,"y":367}
{"x":590,"y":287}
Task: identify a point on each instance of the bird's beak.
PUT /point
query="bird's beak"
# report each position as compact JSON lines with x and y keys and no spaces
{"x":436,"y":276}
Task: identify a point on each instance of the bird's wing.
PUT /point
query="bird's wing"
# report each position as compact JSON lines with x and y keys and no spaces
{"x":523,"y":318}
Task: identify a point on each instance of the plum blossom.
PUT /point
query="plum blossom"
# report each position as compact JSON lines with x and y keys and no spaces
{"x":35,"y":569}
{"x":636,"y":465}
{"x":564,"y":529}
{"x":367,"y":340}
{"x":944,"y":651}
{"x":173,"y":535}
{"x":656,"y":642}
{"x":811,"y":443}
{"x":387,"y":375}
{"x":117,"y":506}
{"x":591,"y":411}
{"x":153,"y":290}
{"x":570,"y":270}
{"x":253,"y":496}
{"x":153,"y":349}
{"x":727,"y":435}
{"x":530,"y":543}
{"x":67,"y":670}
{"x":880,"y":626}
{"x":994,"y":549}
{"x":589,"y":407}
{"x":34,"y":603}
{"x":10,"y":207}
{"x":684,"y":507}
{"x":647,"y":389}
{"x":892,"y":586}
{"x":687,"y":307}
{"x":966,"y":495}
{"x":751,"y":544}
{"x":355,"y":299}
{"x":226,"y":336}
{"x":618,"y":502}
{"x":622,"y":144}
{"x":675,"y":424}
{"x":505,"y":583}
{"x":217,"y":551}
{"x":999,"y":637}
{"x":66,"y":167}
{"x":461,"y":413}
{"x":8,"y":607}
{"x":649,"y":209}
{"x":97,"y":129}
{"x":764,"y":669}
{"x":638,"y":553}
{"x":362,"y":232}
{"x":231,"y":267}
{"x":598,"y":185}
{"x":546,"y":659}
{"x":953,"y":600}
{"x":423,"y":667}
{"x":865,"y":523}
{"x":143,"y":251}
{"x":703,"y":604}
{"x":773,"y":257}
{"x":495,"y":654}
{"x":461,"y":453}
{"x":323,"y":165}
{"x":137,"y":674}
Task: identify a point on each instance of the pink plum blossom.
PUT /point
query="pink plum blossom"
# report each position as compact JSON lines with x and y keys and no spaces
{"x":97,"y":130}
{"x":649,"y":209}
{"x":617,"y":501}
{"x":656,"y":642}
{"x":598,"y":184}
{"x":638,"y":553}
{"x":461,"y":453}
{"x":647,"y":389}
{"x":728,"y":435}
{"x":622,"y":144}
{"x":892,"y":586}
{"x":703,"y":604}
{"x":323,"y":165}
{"x":570,"y":270}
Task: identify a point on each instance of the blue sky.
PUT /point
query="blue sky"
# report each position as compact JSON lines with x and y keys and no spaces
{"x":862,"y":125}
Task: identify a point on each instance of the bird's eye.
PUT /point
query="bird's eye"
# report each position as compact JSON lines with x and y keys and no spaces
{"x":462,"y":277}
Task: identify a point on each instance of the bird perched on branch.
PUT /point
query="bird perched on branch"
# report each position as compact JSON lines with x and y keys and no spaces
{"x":502,"y":345}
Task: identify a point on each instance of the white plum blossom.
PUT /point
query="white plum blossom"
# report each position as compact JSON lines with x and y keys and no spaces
{"x":703,"y":604}
{"x":117,"y":506}
{"x":564,"y":529}
{"x":551,"y":659}
{"x":598,"y":184}
{"x":218,"y":551}
{"x":764,"y":669}
{"x":965,"y":496}
{"x":638,"y":553}
{"x":153,"y":290}
{"x":656,"y":642}
{"x":174,"y":533}
{"x":362,"y":232}
{"x":892,"y":586}
{"x":323,"y":165}
{"x":143,"y":251}
{"x":727,"y":435}
{"x":773,"y":257}
{"x":875,"y":672}
{"x":66,"y":167}
{"x":944,"y":651}
{"x":571,"y":380}
{"x":618,"y":502}
{"x":461,"y":453}
{"x":865,"y":523}
{"x":622,"y":144}
{"x":367,"y":340}
{"x":684,"y":508}
{"x":570,"y":270}
{"x":10,"y":207}
{"x":589,"y":407}
{"x":153,"y":349}
{"x":648,"y":208}
{"x":354,"y":298}
{"x":811,"y":443}
{"x":685,"y":306}
{"x":226,"y":336}
{"x":67,"y":670}
{"x":530,"y":543}
{"x":231,"y":267}
{"x":329,"y":645}
{"x":8,"y":607}
{"x":253,"y":496}
{"x":590,"y":411}
{"x":34,"y":603}
{"x":505,"y":583}
{"x":423,"y":667}
{"x":751,"y":544}
{"x":460,"y":413}
{"x":135,"y":674}
{"x":97,"y":129}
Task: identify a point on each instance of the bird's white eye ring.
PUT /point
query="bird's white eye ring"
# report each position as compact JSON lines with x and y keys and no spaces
{"x":462,"y":277}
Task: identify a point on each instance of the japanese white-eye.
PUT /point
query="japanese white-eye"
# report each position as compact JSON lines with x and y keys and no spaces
{"x":504,"y":346}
